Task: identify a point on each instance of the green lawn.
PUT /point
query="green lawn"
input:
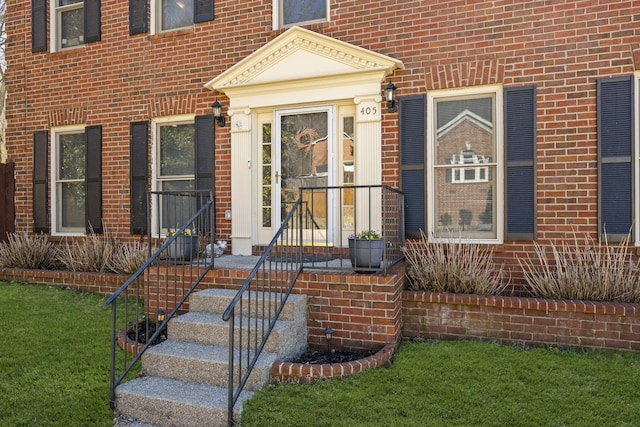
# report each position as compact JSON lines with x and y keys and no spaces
{"x":465,"y":384}
{"x":54,"y":357}
{"x":54,"y":371}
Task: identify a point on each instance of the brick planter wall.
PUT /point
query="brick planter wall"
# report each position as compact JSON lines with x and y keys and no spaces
{"x":364,"y":310}
{"x":305,"y":373}
{"x":100,"y":283}
{"x":522,"y":321}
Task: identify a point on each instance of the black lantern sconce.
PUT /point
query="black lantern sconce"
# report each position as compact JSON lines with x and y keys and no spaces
{"x":217,"y":114}
{"x":328,"y":335}
{"x":390,"y":96}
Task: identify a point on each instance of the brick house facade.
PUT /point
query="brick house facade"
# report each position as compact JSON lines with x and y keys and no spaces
{"x":89,"y":106}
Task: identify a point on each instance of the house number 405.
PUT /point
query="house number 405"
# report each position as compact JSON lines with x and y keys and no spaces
{"x":369,"y":111}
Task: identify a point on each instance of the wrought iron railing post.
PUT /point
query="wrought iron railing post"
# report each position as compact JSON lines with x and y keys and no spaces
{"x":112,"y":374}
{"x":230,"y":399}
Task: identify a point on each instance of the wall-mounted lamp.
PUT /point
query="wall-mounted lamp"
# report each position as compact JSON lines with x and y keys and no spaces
{"x":390,"y":96}
{"x":328,"y":335}
{"x":217,"y":114}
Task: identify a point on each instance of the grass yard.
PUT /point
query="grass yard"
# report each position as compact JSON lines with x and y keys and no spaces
{"x":465,"y":384}
{"x":54,"y":357}
{"x":54,"y":371}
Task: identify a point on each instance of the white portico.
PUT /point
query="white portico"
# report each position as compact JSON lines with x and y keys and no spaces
{"x":303,"y":108}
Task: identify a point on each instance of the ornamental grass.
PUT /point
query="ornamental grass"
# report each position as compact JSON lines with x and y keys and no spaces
{"x":584,"y":269}
{"x":453,"y":265}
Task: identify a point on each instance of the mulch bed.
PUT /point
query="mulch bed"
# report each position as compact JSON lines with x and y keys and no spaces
{"x":322,"y":357}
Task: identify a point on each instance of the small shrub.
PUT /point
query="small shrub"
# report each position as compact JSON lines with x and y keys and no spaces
{"x":453,"y":265}
{"x":31,"y":252}
{"x":584,"y":269}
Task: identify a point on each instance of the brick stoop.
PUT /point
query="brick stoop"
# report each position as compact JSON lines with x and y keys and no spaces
{"x":184,"y":379}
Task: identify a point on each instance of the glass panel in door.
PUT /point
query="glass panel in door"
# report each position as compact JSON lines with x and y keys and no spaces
{"x":303,"y":161}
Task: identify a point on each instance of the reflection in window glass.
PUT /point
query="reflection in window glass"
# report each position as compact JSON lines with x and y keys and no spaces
{"x":348,"y":168}
{"x":176,"y":171}
{"x":70,"y":182}
{"x":266,"y":175}
{"x":70,"y":21}
{"x":298,"y":11}
{"x":177,"y":150}
{"x":464,"y":167}
{"x":176,"y":14}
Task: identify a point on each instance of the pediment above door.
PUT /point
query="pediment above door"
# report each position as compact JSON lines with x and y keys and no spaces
{"x":300,"y":60}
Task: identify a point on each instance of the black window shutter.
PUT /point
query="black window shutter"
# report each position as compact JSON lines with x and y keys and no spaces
{"x":138,"y":21}
{"x":93,"y":179}
{"x":412,"y":124}
{"x":92,"y":18}
{"x":520,"y":141}
{"x":38,"y":25}
{"x":615,"y":153}
{"x":40,"y":181}
{"x":203,"y":10}
{"x":139,"y":170}
{"x":204,"y":152}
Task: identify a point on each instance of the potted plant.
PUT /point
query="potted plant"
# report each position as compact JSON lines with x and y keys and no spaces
{"x":185,"y":247}
{"x":366,"y":249}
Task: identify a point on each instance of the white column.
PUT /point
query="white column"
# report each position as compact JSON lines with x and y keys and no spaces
{"x":242,"y":197}
{"x":368,"y":161}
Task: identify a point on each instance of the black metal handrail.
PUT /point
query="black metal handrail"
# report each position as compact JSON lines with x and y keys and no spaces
{"x":156,"y":292}
{"x":257,"y":305}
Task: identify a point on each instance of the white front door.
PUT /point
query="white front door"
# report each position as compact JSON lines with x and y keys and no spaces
{"x":303,"y":157}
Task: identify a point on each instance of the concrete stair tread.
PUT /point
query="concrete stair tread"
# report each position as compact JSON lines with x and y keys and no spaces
{"x":288,"y":338}
{"x":169,"y":402}
{"x":204,"y":352}
{"x":216,"y":320}
{"x":216,"y":301}
{"x":192,"y":393}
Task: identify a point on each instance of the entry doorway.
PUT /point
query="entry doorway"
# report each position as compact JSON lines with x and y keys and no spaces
{"x":303,"y":158}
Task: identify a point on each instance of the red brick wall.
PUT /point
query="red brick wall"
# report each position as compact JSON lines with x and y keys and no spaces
{"x":98,"y":283}
{"x":370,"y":311}
{"x":522,"y":321}
{"x":561,"y":47}
{"x":362,"y":309}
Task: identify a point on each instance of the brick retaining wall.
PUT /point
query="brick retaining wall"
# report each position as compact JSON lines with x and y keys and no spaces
{"x":522,"y":321}
{"x":367,"y":311}
{"x":98,"y":283}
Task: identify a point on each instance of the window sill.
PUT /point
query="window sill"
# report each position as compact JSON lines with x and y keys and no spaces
{"x":67,"y":52}
{"x":60,"y":236}
{"x":172,"y":33}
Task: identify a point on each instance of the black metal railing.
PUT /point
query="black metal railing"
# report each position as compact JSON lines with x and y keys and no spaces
{"x":141,"y":308}
{"x":309,"y":237}
{"x":256,"y":307}
{"x":342,"y":213}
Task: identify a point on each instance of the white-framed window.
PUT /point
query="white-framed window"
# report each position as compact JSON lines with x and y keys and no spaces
{"x":68,"y":23}
{"x":68,"y":180}
{"x":465,"y":130}
{"x":299,"y":12}
{"x":168,"y":15}
{"x":174,"y":165}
